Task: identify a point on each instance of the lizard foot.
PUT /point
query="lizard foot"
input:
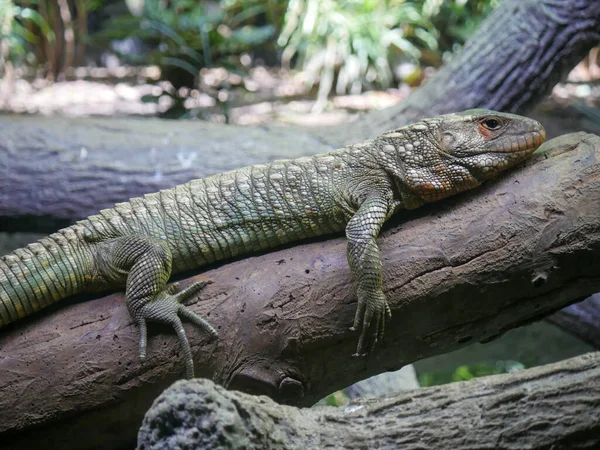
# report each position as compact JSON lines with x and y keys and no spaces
{"x":167,"y":308}
{"x":371,"y":314}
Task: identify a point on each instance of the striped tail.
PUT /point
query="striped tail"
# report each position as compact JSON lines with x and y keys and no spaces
{"x":42,"y":273}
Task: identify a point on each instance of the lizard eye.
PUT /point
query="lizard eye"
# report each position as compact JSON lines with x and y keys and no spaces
{"x":491,"y":124}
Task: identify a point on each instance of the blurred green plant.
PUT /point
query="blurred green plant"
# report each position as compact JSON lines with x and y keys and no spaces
{"x":338,"y":398}
{"x":184,"y":36}
{"x":465,"y":373}
{"x":355,"y":41}
{"x":48,"y":33}
{"x":342,"y":45}
{"x":18,"y":26}
{"x":456,"y":20}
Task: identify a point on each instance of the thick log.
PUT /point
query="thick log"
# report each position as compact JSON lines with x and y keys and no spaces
{"x":67,"y":169}
{"x":554,"y":406}
{"x":463,"y":270}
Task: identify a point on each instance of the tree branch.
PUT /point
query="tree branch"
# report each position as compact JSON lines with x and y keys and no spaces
{"x":459,"y":271}
{"x":540,"y":408}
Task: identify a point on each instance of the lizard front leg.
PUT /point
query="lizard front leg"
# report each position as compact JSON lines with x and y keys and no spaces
{"x":364,"y":259}
{"x":146,"y":263}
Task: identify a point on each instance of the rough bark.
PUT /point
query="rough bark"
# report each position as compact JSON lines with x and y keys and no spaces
{"x":581,"y":319}
{"x":69,"y":169}
{"x":547,"y":407}
{"x":462,"y":270}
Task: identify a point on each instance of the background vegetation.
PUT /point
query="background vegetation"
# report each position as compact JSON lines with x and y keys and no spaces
{"x":342,"y":46}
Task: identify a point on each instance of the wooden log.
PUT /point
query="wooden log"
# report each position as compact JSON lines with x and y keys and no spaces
{"x":459,"y":271}
{"x":554,"y":406}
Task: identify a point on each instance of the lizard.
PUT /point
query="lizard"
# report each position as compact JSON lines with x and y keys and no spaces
{"x":138,"y":244}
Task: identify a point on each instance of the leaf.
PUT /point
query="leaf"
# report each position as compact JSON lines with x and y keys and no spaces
{"x":428,"y":38}
{"x":172,"y":34}
{"x":37,"y":19}
{"x":253,"y":35}
{"x":177,"y":62}
{"x":246,"y":13}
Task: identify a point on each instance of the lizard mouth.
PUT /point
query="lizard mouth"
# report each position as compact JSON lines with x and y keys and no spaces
{"x":522,"y":143}
{"x":518,"y":145}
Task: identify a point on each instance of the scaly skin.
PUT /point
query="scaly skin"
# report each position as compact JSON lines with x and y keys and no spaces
{"x":138,"y":244}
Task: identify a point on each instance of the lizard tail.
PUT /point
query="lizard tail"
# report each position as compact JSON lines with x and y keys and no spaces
{"x":39,"y":274}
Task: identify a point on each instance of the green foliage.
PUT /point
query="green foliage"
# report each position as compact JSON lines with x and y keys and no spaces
{"x":342,"y":45}
{"x":346,"y":45}
{"x":21,"y":27}
{"x":45,"y":33}
{"x":357,"y":40}
{"x":456,"y":20}
{"x":338,"y":398}
{"x":465,"y":373}
{"x":184,"y":36}
{"x":191,"y":35}
{"x":191,"y":32}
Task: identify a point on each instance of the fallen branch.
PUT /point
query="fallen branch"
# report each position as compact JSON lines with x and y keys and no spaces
{"x":464,"y":270}
{"x":553,"y":406}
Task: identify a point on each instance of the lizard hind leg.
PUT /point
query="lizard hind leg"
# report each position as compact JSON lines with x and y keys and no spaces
{"x":148,"y":263}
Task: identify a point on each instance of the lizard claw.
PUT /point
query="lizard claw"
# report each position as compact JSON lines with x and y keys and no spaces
{"x":143,"y":339}
{"x":371,"y":314}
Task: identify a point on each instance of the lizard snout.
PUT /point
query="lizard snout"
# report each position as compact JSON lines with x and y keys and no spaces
{"x":539,"y":135}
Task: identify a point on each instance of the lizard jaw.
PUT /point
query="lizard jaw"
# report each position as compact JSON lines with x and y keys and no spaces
{"x":525,"y":143}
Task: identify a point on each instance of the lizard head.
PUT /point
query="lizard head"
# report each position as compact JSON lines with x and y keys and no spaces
{"x":488,"y":142}
{"x":456,"y":152}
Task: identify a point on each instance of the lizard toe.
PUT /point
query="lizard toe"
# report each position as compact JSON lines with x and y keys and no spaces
{"x":190,"y":291}
{"x":190,"y":315}
{"x":143,"y":338}
{"x":382,"y":319}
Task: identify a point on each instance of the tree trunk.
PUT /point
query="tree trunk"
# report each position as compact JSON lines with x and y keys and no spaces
{"x":463,"y":270}
{"x":68,"y":169}
{"x":547,"y":407}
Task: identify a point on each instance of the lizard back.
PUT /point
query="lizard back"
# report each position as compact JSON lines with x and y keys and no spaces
{"x":234,"y":213}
